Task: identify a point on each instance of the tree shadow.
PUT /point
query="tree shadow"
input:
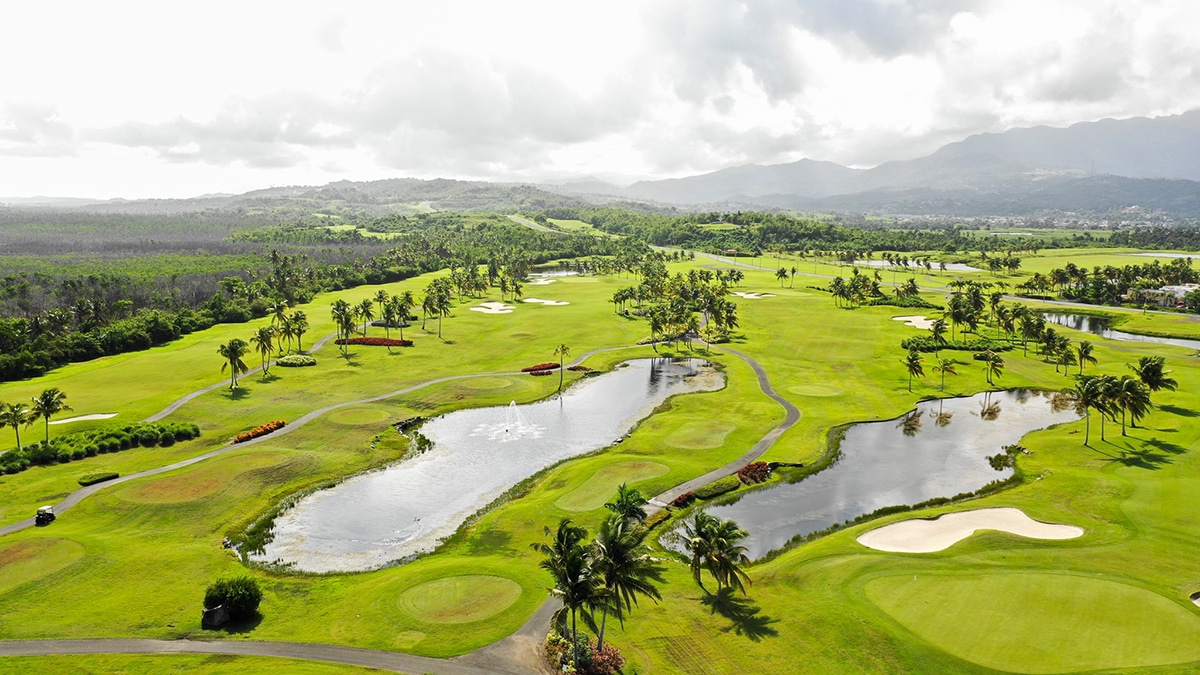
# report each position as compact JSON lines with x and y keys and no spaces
{"x":1165,"y":446}
{"x":237,"y":394}
{"x":1142,"y":459}
{"x":269,"y":378}
{"x":490,"y":541}
{"x":239,"y":626}
{"x":745,"y":616}
{"x":1176,"y":410}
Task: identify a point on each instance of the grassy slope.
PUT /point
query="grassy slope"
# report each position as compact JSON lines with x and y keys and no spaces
{"x":812,"y":606}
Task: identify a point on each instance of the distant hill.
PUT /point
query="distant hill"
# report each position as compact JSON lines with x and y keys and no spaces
{"x":1090,"y":167}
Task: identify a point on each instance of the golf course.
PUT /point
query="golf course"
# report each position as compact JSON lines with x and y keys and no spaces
{"x":131,"y":560}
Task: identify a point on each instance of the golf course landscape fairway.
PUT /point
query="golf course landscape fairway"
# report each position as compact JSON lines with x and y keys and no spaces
{"x":133,"y":559}
{"x":1042,"y":623}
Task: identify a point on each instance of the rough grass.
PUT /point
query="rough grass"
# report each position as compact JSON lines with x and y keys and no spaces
{"x":709,"y":434}
{"x":219,"y":664}
{"x":31,"y":559}
{"x":197,"y":481}
{"x":461,"y":599}
{"x":602,"y":486}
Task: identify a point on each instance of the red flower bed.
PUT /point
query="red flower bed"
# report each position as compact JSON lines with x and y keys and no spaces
{"x":683,"y":500}
{"x":374,"y":342}
{"x":539,"y":373}
{"x":754,"y":472}
{"x":579,"y":369}
{"x":549,"y":365}
{"x":260,"y":431}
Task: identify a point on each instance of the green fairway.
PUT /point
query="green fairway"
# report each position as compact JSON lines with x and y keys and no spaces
{"x":461,"y":599}
{"x":1042,"y":623}
{"x":598,"y":489}
{"x":218,"y":664}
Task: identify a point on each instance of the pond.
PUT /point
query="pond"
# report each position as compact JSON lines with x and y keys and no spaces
{"x":1099,"y":326}
{"x":940,"y":449}
{"x":478,"y":454}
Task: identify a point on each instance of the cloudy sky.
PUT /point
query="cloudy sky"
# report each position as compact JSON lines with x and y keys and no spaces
{"x":164,"y":99}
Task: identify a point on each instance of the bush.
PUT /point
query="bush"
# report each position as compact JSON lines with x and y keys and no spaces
{"x":911,"y":301}
{"x":260,"y":431}
{"x":718,"y":487}
{"x":296,"y":361}
{"x":374,"y":342}
{"x":549,"y":365}
{"x":657,"y":518}
{"x":78,"y":453}
{"x":240,"y":595}
{"x":93,"y":478}
{"x":540,"y":373}
{"x":683,"y":499}
{"x":754,"y":472}
{"x":926,"y":343}
{"x":579,"y":369}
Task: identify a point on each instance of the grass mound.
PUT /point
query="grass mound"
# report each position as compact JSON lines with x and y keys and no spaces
{"x":701,"y":435}
{"x":602,"y":485}
{"x":460,"y":599}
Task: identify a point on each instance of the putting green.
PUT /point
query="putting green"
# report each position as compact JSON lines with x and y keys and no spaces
{"x":601,"y":487}
{"x":701,"y":435}
{"x":814,"y":390}
{"x":352,"y":416}
{"x":1041,"y":623}
{"x":32,"y":559}
{"x":460,"y":599}
{"x":487,"y":383}
{"x":198,"y":481}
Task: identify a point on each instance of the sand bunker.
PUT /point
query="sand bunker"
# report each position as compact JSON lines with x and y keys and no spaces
{"x":927,"y":536}
{"x":546,"y":302}
{"x":541,"y":282}
{"x":1195,"y":598}
{"x":753,"y":296}
{"x":918,"y":321}
{"x":493,"y":308}
{"x":85,"y":418}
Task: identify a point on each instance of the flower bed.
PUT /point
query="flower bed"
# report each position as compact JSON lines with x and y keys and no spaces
{"x":549,"y":365}
{"x":260,"y":431}
{"x":295,"y":361}
{"x":754,"y":472}
{"x":539,"y":373}
{"x":683,"y":500}
{"x":579,"y":369}
{"x":374,"y":342}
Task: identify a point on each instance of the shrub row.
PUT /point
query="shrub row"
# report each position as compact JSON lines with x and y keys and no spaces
{"x":655,"y":519}
{"x":374,"y":342}
{"x":538,"y":373}
{"x":926,"y":343}
{"x":718,"y":487}
{"x":549,"y":365}
{"x":579,"y":369}
{"x":259,"y":431}
{"x":83,"y":444}
{"x":296,"y":361}
{"x":754,"y":472}
{"x":93,"y":478}
{"x":912,"y":301}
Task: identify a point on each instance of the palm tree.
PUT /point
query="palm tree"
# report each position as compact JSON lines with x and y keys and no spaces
{"x":343,"y":317}
{"x":299,"y":327}
{"x":287,"y":331}
{"x":626,"y":567}
{"x":1149,"y":370}
{"x":381,"y":298}
{"x":993,"y":365}
{"x":1129,"y":395}
{"x":264,"y":342}
{"x":913,"y":363}
{"x":1066,"y":359}
{"x":713,"y":545}
{"x":233,"y":352}
{"x":48,"y":404}
{"x":1088,"y":394}
{"x":366,"y":312}
{"x":628,"y":504}
{"x":575,"y":584}
{"x":945,"y":366}
{"x":938,"y":330}
{"x":404,"y":305}
{"x":562,"y":352}
{"x":15,"y":415}
{"x":781,"y":274}
{"x":1083,"y":354}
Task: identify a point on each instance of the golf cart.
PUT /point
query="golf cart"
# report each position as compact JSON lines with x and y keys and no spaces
{"x":45,"y":515}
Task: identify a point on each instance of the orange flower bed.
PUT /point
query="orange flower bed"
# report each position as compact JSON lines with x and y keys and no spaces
{"x":549,"y":365}
{"x":260,"y":431}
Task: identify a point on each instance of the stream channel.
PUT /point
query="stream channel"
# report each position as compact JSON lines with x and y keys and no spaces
{"x":940,"y":449}
{"x":408,"y":507}
{"x":1099,"y":326}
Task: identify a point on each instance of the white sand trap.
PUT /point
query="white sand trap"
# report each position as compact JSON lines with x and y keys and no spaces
{"x":493,"y":308}
{"x":917,"y":321}
{"x":1196,"y":598}
{"x":926,"y":536}
{"x":541,"y":282}
{"x":546,"y":302}
{"x":84,"y":418}
{"x":753,"y":296}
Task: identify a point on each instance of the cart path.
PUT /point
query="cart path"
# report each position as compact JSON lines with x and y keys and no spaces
{"x":517,"y":654}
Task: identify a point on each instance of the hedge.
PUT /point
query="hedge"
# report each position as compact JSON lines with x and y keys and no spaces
{"x":296,"y":361}
{"x":374,"y":342}
{"x":93,"y":478}
{"x":83,"y":444}
{"x":261,"y":430}
{"x":718,"y":487}
{"x":926,"y":343}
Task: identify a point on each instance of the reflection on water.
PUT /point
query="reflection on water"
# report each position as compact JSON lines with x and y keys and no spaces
{"x":478,"y":454}
{"x":1098,"y":326}
{"x":898,"y":462}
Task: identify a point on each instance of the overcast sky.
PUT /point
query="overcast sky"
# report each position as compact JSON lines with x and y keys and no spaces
{"x":167,"y":99}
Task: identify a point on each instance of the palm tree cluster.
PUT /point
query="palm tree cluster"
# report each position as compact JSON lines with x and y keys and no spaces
{"x":856,"y":291}
{"x":437,"y":302}
{"x":606,"y":575}
{"x":1129,"y":396}
{"x":713,"y":545}
{"x":671,"y":303}
{"x":45,"y":406}
{"x":1109,"y":285}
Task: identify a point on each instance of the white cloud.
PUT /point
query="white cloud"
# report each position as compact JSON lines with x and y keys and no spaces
{"x":179,"y":101}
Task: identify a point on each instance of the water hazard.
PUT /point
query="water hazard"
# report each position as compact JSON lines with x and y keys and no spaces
{"x":409,"y":507}
{"x":938,"y":450}
{"x":1099,"y":326}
